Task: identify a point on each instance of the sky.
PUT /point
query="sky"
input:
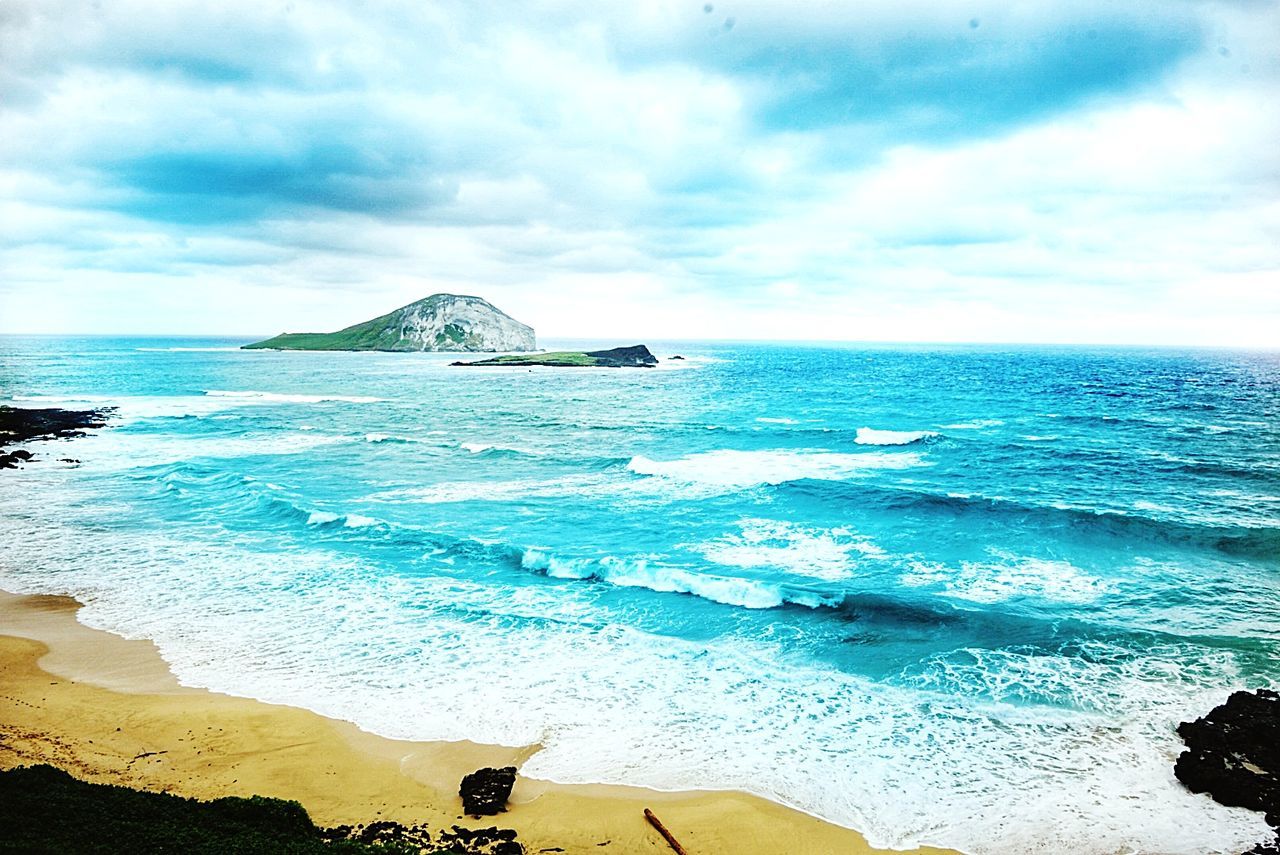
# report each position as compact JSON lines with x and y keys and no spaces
{"x":1093,"y":171}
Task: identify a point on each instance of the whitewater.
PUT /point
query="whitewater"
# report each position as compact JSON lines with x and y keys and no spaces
{"x":957,"y":596}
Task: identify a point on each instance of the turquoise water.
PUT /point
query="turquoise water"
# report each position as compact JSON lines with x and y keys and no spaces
{"x":949,"y":595}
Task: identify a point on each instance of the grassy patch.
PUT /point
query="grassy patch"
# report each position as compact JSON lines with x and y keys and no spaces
{"x":452,"y":334}
{"x":367,"y":336}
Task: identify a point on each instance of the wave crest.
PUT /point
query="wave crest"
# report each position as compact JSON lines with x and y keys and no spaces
{"x":664,"y":578}
{"x":871,"y":436}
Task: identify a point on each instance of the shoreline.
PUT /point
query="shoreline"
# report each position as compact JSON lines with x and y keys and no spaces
{"x":109,"y":710}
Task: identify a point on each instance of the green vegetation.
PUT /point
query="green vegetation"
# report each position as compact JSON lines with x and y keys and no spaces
{"x":377,"y":334}
{"x":451,"y":334}
{"x":45,"y":810}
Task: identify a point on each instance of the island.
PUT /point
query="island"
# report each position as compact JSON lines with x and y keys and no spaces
{"x":636,"y":356}
{"x":441,"y":322}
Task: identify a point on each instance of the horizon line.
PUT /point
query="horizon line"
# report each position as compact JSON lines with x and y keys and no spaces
{"x":1262,"y":348}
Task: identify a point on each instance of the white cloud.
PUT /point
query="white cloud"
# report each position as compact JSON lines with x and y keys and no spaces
{"x":607,"y":169}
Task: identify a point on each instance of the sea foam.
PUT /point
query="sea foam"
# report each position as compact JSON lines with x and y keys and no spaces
{"x":871,"y":436}
{"x":733,"y":468}
{"x":110,"y":451}
{"x":379,"y":438}
{"x":829,"y":554}
{"x":976,"y":424}
{"x":347,"y":520}
{"x":1008,"y":577}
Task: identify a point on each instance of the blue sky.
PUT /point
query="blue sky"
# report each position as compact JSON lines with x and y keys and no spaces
{"x":942,"y":171}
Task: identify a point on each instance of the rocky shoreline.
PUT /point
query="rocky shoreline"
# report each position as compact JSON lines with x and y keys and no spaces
{"x":1233,"y":755}
{"x":18,"y":425}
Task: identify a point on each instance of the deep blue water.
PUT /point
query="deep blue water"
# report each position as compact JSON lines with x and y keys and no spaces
{"x":954,"y":595}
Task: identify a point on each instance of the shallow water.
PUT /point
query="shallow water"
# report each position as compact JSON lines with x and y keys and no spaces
{"x":948,"y":595}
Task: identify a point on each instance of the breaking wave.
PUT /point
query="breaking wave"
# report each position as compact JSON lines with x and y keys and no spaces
{"x":663,"y":578}
{"x":871,"y":436}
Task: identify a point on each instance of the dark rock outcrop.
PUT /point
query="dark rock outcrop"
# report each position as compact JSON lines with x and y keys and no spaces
{"x":398,"y":838}
{"x":11,"y":459}
{"x":22,"y":425}
{"x":1233,"y":754}
{"x":637,"y":356}
{"x":497,"y":841}
{"x":485,"y":791}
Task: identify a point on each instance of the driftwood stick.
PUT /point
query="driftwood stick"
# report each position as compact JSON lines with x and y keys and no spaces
{"x":662,"y":829}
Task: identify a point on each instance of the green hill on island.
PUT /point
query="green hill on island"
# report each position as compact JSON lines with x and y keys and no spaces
{"x":441,"y":322}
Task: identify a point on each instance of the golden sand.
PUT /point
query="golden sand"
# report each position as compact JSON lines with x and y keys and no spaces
{"x":108,"y":710}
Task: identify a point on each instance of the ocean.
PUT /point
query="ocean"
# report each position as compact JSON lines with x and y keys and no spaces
{"x":954,"y":595}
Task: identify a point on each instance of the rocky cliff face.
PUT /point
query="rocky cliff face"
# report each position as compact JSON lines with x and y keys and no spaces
{"x":452,"y":322}
{"x":448,"y":322}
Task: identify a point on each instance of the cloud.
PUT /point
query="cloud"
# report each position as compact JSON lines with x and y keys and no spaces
{"x":868,"y":158}
{"x":928,"y":71}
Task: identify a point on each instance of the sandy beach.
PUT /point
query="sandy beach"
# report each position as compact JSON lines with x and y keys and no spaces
{"x":108,"y":710}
